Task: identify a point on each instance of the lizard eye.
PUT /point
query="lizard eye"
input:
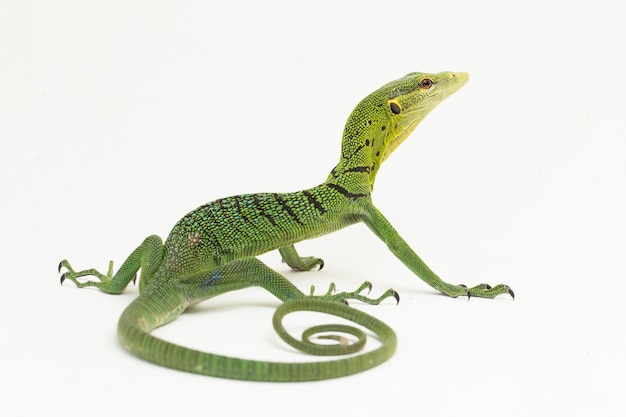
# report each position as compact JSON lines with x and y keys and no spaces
{"x":395,"y":107}
{"x":426,"y":83}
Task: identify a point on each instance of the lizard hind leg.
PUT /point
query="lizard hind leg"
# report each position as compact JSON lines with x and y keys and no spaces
{"x":253,"y":272}
{"x":146,"y":257}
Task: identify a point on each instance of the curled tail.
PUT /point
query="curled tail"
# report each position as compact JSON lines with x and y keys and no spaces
{"x":138,"y":319}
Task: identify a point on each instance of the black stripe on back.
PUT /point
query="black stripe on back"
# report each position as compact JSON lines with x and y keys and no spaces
{"x":345,"y":192}
{"x":313,"y":201}
{"x":358,"y":169}
{"x":286,"y":208}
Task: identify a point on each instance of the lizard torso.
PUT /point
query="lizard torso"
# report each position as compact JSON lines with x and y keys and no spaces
{"x":251,"y":224}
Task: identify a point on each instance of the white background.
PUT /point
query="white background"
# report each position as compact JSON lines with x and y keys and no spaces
{"x":118,"y":117}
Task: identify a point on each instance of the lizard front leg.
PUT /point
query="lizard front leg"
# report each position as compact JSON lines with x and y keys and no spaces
{"x":295,"y":261}
{"x":375,"y":220}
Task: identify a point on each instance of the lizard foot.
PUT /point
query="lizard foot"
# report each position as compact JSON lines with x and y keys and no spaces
{"x":481,"y":290}
{"x":73,"y":275}
{"x":357,"y":295}
{"x":306,"y":263}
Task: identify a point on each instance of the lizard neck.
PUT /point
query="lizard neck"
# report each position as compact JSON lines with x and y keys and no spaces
{"x":355,"y":174}
{"x":362,"y":149}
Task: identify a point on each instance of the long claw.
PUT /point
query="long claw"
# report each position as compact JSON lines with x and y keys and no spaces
{"x":397,"y":297}
{"x":63,"y":277}
{"x":511,"y":293}
{"x":60,"y":266}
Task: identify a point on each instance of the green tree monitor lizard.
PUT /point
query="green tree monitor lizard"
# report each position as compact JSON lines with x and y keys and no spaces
{"x":213,"y":249}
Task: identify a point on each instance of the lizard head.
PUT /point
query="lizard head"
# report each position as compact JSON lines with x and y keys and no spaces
{"x":411,"y":98}
{"x":385,"y":118}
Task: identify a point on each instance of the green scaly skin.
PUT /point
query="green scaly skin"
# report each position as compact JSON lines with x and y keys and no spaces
{"x":212,"y":249}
